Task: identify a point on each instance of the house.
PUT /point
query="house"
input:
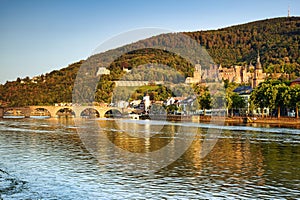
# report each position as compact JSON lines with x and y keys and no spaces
{"x":102,"y":71}
{"x":187,"y":104}
{"x":135,"y":103}
{"x":173,"y":100}
{"x":295,"y":82}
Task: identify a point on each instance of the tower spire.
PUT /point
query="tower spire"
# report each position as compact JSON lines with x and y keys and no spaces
{"x":258,"y":64}
{"x":289,"y":11}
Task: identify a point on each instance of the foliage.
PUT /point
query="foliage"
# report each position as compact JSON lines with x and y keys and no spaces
{"x":42,"y":90}
{"x":203,"y":96}
{"x":171,"y":108}
{"x":238,"y":101}
{"x":295,"y":98}
{"x":233,"y":100}
{"x":276,"y":39}
{"x":275,"y":94}
{"x":263,"y":95}
{"x":282,"y":96}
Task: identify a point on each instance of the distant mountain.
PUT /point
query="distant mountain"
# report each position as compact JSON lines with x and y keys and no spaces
{"x":277,"y":41}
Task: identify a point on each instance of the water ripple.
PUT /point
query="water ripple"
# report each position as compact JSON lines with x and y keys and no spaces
{"x":43,"y":159}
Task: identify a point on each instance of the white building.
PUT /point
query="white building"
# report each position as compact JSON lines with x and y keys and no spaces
{"x":102,"y":71}
{"x":147,"y":102}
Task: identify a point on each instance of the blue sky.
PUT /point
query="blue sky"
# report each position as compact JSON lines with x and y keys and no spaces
{"x":38,"y":36}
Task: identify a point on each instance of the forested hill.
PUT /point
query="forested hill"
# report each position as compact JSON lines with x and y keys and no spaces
{"x":277,"y":41}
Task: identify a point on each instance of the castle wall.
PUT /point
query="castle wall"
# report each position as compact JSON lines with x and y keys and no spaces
{"x":237,"y":74}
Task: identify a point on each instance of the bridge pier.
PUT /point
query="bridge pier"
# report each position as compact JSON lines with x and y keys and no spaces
{"x":27,"y":112}
{"x":1,"y":112}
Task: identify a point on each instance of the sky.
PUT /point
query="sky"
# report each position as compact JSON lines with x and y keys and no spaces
{"x":38,"y":36}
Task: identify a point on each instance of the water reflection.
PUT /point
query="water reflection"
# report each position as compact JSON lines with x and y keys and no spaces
{"x":49,"y":161}
{"x":138,"y":138}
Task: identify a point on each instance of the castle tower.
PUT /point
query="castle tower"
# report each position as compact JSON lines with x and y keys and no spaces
{"x":258,"y":64}
{"x":258,"y":76}
{"x":197,"y":76}
{"x":197,"y":73}
{"x":238,"y":74}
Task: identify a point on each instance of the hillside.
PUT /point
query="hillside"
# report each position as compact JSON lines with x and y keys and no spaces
{"x":276,"y":39}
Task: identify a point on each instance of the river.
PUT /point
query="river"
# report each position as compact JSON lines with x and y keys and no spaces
{"x":55,"y":159}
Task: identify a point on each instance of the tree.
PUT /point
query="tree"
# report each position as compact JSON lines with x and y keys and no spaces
{"x":172,"y":108}
{"x":229,"y":101}
{"x":218,"y":100}
{"x":204,"y":100}
{"x":238,"y":101}
{"x":282,"y":96}
{"x":233,"y":100}
{"x":263,"y":96}
{"x":203,"y":96}
{"x":272,"y":94}
{"x":294,"y":102}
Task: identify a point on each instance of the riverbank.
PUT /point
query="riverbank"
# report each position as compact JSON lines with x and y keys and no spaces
{"x":283,"y":121}
{"x":259,"y":120}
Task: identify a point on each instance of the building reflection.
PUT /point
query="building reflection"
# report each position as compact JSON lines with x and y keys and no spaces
{"x":138,"y":138}
{"x":232,"y":158}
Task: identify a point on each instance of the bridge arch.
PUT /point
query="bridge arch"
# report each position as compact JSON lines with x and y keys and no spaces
{"x":112,"y":113}
{"x":90,"y":112}
{"x":13,"y":112}
{"x":40,"y":111}
{"x":65,"y":111}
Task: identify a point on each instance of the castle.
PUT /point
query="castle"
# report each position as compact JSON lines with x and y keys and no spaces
{"x":196,"y":77}
{"x":250,"y":74}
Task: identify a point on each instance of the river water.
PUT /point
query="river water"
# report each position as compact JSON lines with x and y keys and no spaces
{"x":50,"y":159}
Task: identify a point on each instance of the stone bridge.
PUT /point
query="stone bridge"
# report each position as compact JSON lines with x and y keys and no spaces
{"x":53,"y":110}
